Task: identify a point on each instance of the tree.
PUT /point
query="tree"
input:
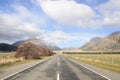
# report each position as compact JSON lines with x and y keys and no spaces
{"x":30,"y":51}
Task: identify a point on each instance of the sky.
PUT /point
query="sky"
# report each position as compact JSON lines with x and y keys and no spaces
{"x":62,"y":22}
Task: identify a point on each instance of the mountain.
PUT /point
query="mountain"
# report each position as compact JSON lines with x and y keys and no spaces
{"x":115,"y":37}
{"x":18,"y":43}
{"x":4,"y":47}
{"x":32,"y":40}
{"x":71,"y":48}
{"x":108,"y":43}
{"x":53,"y":46}
{"x":38,"y":42}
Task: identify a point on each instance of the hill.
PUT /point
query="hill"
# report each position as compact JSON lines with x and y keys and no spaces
{"x":4,"y":47}
{"x":108,"y":43}
{"x":38,"y":42}
{"x":71,"y":48}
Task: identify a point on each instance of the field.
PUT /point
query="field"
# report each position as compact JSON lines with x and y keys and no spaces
{"x":107,"y":61}
{"x":8,"y":60}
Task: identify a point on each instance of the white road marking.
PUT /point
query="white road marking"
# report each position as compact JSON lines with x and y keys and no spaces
{"x":58,"y":76}
{"x":92,"y":70}
{"x":58,"y":64}
{"x":58,"y":72}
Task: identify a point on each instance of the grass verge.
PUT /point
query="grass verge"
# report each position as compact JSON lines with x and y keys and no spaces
{"x":103,"y":61}
{"x":5,"y":60}
{"x":7,"y":65}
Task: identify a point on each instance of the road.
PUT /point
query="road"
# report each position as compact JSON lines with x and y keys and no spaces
{"x":57,"y":68}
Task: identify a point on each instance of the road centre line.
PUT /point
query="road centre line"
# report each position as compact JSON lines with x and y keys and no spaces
{"x":58,"y":76}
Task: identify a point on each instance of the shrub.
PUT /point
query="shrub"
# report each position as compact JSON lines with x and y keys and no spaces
{"x":30,"y":51}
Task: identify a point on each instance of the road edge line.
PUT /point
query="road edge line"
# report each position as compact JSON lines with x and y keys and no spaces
{"x":90,"y":69}
{"x":8,"y":76}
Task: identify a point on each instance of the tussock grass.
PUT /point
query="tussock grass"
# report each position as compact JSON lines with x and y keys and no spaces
{"x":107,"y":61}
{"x":8,"y":60}
{"x":7,"y":55}
{"x":7,"y":65}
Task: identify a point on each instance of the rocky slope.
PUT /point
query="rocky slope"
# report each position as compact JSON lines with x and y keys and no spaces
{"x":108,"y":43}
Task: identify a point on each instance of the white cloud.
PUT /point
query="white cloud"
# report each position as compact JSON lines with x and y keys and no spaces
{"x":21,"y":24}
{"x":58,"y":37}
{"x":110,"y":12}
{"x":68,"y":12}
{"x":61,"y":37}
{"x":18,"y":25}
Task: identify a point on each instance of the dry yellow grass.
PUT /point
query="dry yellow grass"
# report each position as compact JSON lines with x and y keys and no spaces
{"x":9,"y":58}
{"x":108,"y":61}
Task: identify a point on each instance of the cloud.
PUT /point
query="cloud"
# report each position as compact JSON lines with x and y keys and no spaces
{"x":21,"y":24}
{"x":58,"y":37}
{"x":110,"y":13}
{"x":24,"y":24}
{"x":68,"y":12}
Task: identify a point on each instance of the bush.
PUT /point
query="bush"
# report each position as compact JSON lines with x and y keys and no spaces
{"x":30,"y":51}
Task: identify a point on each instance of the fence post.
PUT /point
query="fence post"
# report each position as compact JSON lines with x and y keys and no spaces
{"x":112,"y":59}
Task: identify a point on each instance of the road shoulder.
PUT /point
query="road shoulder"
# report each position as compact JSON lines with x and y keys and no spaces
{"x":14,"y":69}
{"x":107,"y":73}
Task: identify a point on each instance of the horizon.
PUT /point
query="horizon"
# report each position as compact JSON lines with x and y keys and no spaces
{"x":63,"y":22}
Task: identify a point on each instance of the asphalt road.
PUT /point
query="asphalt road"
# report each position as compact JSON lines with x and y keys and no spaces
{"x":57,"y":68}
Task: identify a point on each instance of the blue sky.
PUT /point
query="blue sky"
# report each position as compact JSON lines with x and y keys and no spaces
{"x":62,"y":22}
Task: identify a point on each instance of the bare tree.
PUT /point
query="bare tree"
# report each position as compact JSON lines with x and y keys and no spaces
{"x":30,"y":51}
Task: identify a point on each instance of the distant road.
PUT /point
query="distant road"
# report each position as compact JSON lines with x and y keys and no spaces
{"x":57,"y":68}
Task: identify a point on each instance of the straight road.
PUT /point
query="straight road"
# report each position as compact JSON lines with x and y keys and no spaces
{"x":57,"y":68}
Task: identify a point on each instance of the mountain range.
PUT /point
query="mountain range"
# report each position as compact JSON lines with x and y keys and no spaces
{"x":5,"y":47}
{"x":71,"y":48}
{"x":38,"y":42}
{"x":107,"y":43}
